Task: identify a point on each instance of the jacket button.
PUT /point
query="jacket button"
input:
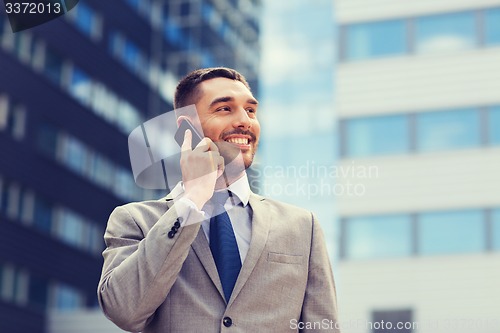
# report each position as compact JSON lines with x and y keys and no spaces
{"x":177,"y":224}
{"x":171,"y":234}
{"x":227,"y":321}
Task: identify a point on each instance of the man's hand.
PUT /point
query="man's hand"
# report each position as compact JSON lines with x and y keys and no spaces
{"x":200,"y":169}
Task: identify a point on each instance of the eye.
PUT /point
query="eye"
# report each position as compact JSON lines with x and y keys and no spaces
{"x":223,"y":108}
{"x":251,"y":110}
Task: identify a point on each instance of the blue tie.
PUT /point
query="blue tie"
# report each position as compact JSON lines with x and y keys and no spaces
{"x":224,"y":247}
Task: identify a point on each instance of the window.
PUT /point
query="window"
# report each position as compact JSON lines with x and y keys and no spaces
{"x":495,"y":218}
{"x":87,"y":21}
{"x":96,"y":239}
{"x":128,"y":117}
{"x":7,"y":286}
{"x":378,"y":237}
{"x":102,"y":171}
{"x":53,"y":67}
{"x":4,"y":112}
{"x":376,"y":135}
{"x":71,"y":228}
{"x":369,"y":40}
{"x":494,"y":125}
{"x":38,"y":291}
{"x":3,"y":195}
{"x":47,"y":139}
{"x":12,"y":118}
{"x":80,"y":86}
{"x":23,"y":46}
{"x":12,"y":206}
{"x":67,"y":298}
{"x":42,"y":215}
{"x":492,"y":26}
{"x":448,"y":32}
{"x":14,"y":287}
{"x":395,"y":321}
{"x":74,"y":154}
{"x":451,"y":232}
{"x":448,"y":130}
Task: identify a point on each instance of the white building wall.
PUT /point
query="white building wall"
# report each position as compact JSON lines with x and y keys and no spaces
{"x":418,"y":83}
{"x":347,"y":11}
{"x":456,"y":294}
{"x":422,"y":182}
{"x":452,"y":293}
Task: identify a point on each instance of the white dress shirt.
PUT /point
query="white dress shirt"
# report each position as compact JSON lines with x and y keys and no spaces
{"x":237,"y":208}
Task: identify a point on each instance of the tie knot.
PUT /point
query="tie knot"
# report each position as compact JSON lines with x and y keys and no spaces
{"x":221,"y":197}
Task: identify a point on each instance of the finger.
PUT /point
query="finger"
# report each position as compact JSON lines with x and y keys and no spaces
{"x":186,"y":144}
{"x":220,"y":166}
{"x":206,"y":145}
{"x":212,"y":163}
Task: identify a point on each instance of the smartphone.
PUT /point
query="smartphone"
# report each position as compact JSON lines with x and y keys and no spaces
{"x":179,"y":134}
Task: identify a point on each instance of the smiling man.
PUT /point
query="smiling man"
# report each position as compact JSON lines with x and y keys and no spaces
{"x":251,"y":265}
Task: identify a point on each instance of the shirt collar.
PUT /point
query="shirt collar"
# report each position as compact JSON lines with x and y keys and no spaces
{"x":240,"y":188}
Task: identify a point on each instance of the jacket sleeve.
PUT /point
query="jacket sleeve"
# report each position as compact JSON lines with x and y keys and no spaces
{"x":320,"y":301}
{"x":139,"y":271}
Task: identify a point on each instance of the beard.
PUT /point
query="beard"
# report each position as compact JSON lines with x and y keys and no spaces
{"x":232,"y":154}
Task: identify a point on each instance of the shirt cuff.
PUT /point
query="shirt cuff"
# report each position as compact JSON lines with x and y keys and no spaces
{"x":189,"y":212}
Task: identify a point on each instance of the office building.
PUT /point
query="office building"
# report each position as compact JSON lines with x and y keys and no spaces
{"x":71,"y":91}
{"x":417,"y":97}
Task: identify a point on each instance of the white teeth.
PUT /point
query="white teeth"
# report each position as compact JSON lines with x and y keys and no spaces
{"x":238,"y":141}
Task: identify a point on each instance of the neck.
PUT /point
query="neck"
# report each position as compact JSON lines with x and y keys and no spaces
{"x":225,"y":180}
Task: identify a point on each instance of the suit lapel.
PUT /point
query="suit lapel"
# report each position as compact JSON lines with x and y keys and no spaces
{"x":202,"y":250}
{"x":260,"y":230}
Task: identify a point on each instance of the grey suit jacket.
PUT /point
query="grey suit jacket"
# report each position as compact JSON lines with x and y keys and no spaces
{"x":153,"y":283}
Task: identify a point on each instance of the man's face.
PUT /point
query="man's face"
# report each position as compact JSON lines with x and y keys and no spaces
{"x":228,"y":112}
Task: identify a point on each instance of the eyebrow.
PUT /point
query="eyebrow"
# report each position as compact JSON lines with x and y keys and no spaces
{"x":231,"y":99}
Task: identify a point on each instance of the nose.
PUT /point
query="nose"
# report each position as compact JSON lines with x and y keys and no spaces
{"x":241,"y":119}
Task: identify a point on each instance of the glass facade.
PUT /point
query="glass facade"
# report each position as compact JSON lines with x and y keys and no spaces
{"x":23,"y":288}
{"x":12,"y":117}
{"x":495,"y":219}
{"x":80,"y":96}
{"x":448,"y":32}
{"x":378,"y":237}
{"x":421,"y":35}
{"x":421,"y":234}
{"x":23,"y":205}
{"x":376,"y":136}
{"x":492,"y":26}
{"x":377,"y":39}
{"x":444,"y":130}
{"x":452,"y":232}
{"x":420,"y":132}
{"x":494,"y":125}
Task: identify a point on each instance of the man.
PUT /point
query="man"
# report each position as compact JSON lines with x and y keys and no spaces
{"x":164,"y":271}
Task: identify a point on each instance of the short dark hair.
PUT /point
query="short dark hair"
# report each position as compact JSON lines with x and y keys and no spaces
{"x":187,"y":91}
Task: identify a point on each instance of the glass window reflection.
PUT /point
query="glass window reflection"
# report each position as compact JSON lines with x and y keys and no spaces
{"x":492,"y":26}
{"x":494,"y":125}
{"x":448,"y":129}
{"x":495,"y":218}
{"x":377,"y":135}
{"x":451,"y":232}
{"x":447,"y":32}
{"x":378,"y":237}
{"x":369,"y":40}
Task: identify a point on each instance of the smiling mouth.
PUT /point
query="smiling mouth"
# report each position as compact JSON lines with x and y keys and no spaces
{"x":238,"y":141}
{"x":242,"y":142}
